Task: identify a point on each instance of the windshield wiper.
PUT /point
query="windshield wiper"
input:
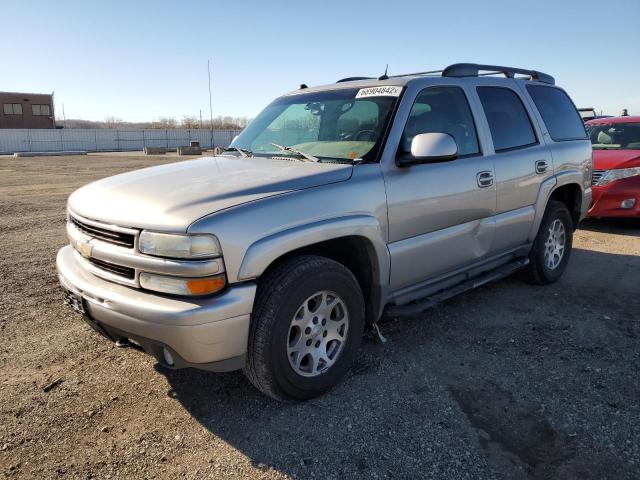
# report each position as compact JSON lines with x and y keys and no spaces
{"x":243,"y":151}
{"x":309,"y":157}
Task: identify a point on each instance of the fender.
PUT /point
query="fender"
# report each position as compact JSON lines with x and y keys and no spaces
{"x":265,"y":251}
{"x":550,"y":185}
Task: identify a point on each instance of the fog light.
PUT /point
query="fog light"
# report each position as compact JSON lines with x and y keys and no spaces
{"x":628,"y":203}
{"x":168,"y":358}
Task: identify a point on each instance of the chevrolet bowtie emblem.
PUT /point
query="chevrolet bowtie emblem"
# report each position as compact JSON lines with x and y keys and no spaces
{"x":84,"y":247}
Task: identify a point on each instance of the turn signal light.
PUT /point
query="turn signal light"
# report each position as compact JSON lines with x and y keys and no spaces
{"x":182,"y":286}
{"x":205,"y":286}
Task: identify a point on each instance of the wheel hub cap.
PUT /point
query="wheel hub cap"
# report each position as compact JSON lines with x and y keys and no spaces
{"x":317,"y":333}
{"x":554,"y":245}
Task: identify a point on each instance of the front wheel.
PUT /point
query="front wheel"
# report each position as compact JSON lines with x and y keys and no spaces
{"x":306,"y":328}
{"x":552,"y":247}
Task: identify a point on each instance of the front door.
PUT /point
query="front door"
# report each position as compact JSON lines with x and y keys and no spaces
{"x":440,"y":214}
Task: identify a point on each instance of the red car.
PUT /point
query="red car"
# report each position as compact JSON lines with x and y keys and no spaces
{"x":616,"y":166}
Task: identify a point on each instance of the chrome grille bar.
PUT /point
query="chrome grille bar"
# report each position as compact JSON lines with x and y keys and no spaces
{"x":597,"y":175}
{"x":120,"y":270}
{"x":110,"y":236}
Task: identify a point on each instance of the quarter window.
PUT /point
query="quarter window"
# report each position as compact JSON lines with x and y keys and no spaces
{"x":442,"y":110}
{"x":508,"y":119}
{"x":40,"y":110}
{"x":558,"y":112}
{"x":12,"y":109}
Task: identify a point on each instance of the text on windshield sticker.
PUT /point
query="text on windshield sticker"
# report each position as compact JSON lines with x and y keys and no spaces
{"x":383,"y":91}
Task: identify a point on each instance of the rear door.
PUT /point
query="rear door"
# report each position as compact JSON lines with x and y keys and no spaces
{"x":563,"y":130}
{"x":522,"y":161}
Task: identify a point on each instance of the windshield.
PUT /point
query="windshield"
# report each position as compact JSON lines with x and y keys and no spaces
{"x":587,"y":114}
{"x":615,"y":136}
{"x":330,"y":125}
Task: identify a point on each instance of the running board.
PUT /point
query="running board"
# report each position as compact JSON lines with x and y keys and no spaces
{"x":418,"y":306}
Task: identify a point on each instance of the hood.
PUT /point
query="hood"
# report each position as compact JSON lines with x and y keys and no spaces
{"x":171,"y":197}
{"x":609,"y":159}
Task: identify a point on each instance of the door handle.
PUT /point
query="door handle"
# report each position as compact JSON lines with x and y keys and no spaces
{"x":541,"y":166}
{"x":485,"y":179}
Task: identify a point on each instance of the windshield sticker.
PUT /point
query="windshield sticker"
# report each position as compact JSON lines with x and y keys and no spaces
{"x":385,"y":91}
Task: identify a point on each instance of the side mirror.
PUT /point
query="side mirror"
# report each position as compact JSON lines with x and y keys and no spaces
{"x":430,"y":147}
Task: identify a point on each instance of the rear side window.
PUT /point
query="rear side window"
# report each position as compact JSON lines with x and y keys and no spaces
{"x":558,"y":112}
{"x":508,"y":119}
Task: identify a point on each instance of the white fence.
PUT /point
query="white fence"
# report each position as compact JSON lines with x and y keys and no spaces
{"x":107,"y":140}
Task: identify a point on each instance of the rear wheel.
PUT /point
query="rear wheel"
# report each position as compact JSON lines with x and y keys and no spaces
{"x":552,"y":247}
{"x":306,"y":328}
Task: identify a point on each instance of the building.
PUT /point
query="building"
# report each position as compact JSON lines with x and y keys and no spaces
{"x":26,"y":110}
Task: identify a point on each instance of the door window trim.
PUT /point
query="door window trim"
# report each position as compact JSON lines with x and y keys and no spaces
{"x":517,"y":147}
{"x":400,"y":153}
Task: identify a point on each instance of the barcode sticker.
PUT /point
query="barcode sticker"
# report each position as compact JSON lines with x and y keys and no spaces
{"x":382,"y":91}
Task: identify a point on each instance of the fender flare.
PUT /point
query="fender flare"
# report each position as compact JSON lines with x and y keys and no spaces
{"x":266,"y":250}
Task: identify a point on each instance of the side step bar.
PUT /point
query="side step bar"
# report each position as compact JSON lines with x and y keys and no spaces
{"x":419,"y":306}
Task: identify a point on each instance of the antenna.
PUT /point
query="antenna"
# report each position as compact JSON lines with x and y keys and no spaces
{"x":210,"y":103}
{"x":384,"y":76}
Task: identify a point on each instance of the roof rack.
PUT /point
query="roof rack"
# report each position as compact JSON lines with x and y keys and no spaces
{"x":474,"y":69}
{"x":471,"y":70}
{"x":415,"y":74}
{"x":353,"y":79}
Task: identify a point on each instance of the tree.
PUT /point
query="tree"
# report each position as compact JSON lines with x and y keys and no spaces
{"x":190,"y":122}
{"x":112,"y":122}
{"x":165,"y":122}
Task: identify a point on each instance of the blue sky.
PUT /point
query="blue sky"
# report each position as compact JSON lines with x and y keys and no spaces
{"x":139,"y":60}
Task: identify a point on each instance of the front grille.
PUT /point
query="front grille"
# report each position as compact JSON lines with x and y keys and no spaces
{"x":597,"y":175}
{"x":104,"y":234}
{"x":126,"y":272}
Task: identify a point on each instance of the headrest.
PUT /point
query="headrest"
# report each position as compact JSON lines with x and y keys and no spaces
{"x":603,"y":138}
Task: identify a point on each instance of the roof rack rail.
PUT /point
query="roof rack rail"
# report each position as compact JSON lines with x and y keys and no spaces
{"x":415,"y":74}
{"x":473,"y":70}
{"x":353,"y":79}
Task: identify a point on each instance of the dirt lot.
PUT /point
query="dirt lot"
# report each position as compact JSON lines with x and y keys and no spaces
{"x":509,"y":381}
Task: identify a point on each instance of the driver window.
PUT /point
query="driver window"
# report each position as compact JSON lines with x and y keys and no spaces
{"x":442,"y":110}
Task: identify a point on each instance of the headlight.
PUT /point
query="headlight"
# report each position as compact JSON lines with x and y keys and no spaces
{"x":182,"y":286}
{"x":618,"y":174}
{"x":179,"y":246}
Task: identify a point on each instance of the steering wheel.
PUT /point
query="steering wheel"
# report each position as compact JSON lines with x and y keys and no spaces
{"x":364,"y":132}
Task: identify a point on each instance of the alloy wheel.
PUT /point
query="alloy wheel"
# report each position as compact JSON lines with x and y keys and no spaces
{"x":317,"y":333}
{"x":555,"y":244}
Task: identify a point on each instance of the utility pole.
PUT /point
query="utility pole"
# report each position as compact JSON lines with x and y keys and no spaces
{"x":64,"y":117}
{"x":53,"y":108}
{"x":210,"y":102}
{"x":200,"y":119}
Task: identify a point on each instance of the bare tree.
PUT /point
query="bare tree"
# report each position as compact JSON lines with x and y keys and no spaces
{"x":230,"y":123}
{"x":165,"y":122}
{"x":190,"y":122}
{"x":112,"y":122}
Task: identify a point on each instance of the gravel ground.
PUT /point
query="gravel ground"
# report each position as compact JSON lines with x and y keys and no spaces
{"x":508,"y":381}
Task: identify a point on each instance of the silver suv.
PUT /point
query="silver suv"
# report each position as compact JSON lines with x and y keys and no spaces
{"x":336,"y":205}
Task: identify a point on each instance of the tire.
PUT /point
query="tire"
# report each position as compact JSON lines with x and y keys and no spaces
{"x":539,"y":271}
{"x":278,"y":361}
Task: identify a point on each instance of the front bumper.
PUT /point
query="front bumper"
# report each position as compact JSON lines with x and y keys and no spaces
{"x":209,"y":333}
{"x":607,"y":198}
